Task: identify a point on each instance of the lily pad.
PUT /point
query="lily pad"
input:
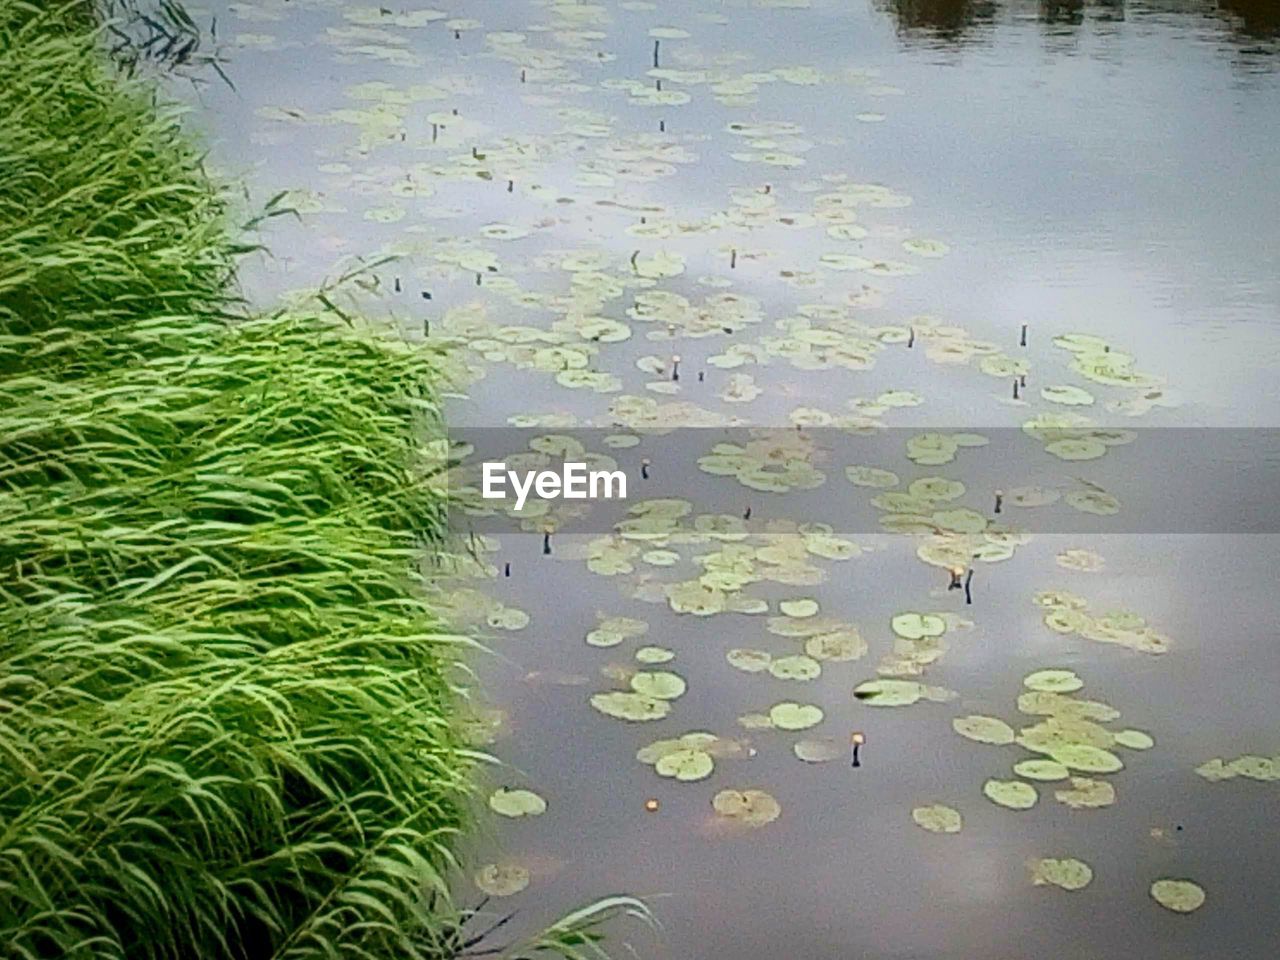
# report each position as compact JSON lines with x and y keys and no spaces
{"x":795,"y":716}
{"x":632,"y":707}
{"x":797,"y":667}
{"x":914,"y":626}
{"x":984,"y":729}
{"x":937,"y":818}
{"x":1047,"y":770}
{"x":517,"y":803}
{"x":818,"y":750}
{"x":1053,"y":681}
{"x":753,"y":808}
{"x":685,"y":765}
{"x":1180,"y":896}
{"x":501,"y":880}
{"x":1135,"y":740}
{"x":659,"y":684}
{"x":749,"y":661}
{"x":1087,"y":794}
{"x":799,"y":608}
{"x":1013,"y":794}
{"x":1068,"y":873}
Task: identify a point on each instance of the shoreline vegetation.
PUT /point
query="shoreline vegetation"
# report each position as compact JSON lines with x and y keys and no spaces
{"x":228,"y":713}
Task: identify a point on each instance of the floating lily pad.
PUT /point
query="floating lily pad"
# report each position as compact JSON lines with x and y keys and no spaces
{"x":1053,"y":681}
{"x":984,"y":729}
{"x":654,"y":655}
{"x":795,"y":668}
{"x":686,"y":765}
{"x":839,"y":646}
{"x":517,"y":803}
{"x":753,"y":808}
{"x":937,"y":818}
{"x":501,"y":880}
{"x":659,"y":684}
{"x":1087,"y":794}
{"x":1068,"y":873}
{"x":820,"y":750}
{"x":1047,"y":770}
{"x":1013,"y":794}
{"x":795,"y":716}
{"x":1135,"y":740}
{"x":799,"y":608}
{"x":749,"y":661}
{"x":914,"y":626}
{"x":633,"y":707}
{"x":1180,"y":896}
{"x":889,"y":693}
{"x":1086,"y":758}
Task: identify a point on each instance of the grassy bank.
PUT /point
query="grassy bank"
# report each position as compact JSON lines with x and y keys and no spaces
{"x":224,"y":711}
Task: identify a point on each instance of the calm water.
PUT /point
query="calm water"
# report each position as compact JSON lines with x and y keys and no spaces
{"x":1103,"y":168}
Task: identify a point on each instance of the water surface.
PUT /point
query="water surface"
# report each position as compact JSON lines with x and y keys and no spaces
{"x":1103,"y":168}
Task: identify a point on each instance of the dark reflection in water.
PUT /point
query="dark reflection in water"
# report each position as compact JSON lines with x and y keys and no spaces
{"x":1251,"y":25}
{"x":1259,"y":19}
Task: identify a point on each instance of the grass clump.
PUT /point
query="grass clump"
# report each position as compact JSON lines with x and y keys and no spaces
{"x":225,"y":714}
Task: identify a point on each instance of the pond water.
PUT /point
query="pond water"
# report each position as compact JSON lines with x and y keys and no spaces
{"x":839,"y":214}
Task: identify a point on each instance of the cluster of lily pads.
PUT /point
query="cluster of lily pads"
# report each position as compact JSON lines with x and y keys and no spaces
{"x":1068,"y":613}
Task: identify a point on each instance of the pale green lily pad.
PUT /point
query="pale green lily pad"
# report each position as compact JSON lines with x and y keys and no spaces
{"x":604,"y":638}
{"x":753,"y":808}
{"x":1097,"y":502}
{"x":633,"y":707}
{"x":817,"y":750}
{"x":1087,"y":758}
{"x":1013,"y":794}
{"x":937,"y":818}
{"x":960,"y":520}
{"x":1067,"y":395}
{"x":795,"y":668}
{"x":508,"y":618}
{"x":1068,"y":873}
{"x":501,"y":880}
{"x":660,"y":558}
{"x":897,"y":693}
{"x":1046,"y":770}
{"x":749,"y":661}
{"x":936,"y":488}
{"x":1255,"y":767}
{"x":984,"y":729}
{"x":654,"y":655}
{"x":1079,"y":448}
{"x":795,"y":716}
{"x":839,"y":646}
{"x":686,"y":765}
{"x":799,"y":608}
{"x":926,"y":248}
{"x":1087,"y":794}
{"x":915,"y":626}
{"x":1216,"y":771}
{"x":1180,"y":896}
{"x":871,"y":477}
{"x":659,"y":684}
{"x":517,"y":803}
{"x":1135,"y":739}
{"x":1053,"y":681}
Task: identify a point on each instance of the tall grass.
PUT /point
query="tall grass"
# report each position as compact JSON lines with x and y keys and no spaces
{"x":224,"y":703}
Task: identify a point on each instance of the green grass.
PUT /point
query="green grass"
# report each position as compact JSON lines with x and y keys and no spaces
{"x":225,"y":717}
